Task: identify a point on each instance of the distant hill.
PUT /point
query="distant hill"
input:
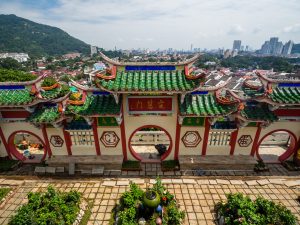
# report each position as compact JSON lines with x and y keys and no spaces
{"x":296,"y":48}
{"x":21,"y":35}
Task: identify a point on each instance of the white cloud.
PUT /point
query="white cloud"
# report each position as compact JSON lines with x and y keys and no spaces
{"x":292,"y":29}
{"x":166,"y":23}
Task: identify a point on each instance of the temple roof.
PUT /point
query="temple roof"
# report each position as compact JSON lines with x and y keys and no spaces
{"x":259,"y":112}
{"x":16,"y":97}
{"x":205,"y":105}
{"x":45,"y":115}
{"x":154,"y":81}
{"x":285,"y":95}
{"x":96,"y":105}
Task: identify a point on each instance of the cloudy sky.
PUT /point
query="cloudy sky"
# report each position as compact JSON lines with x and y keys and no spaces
{"x":165,"y":24}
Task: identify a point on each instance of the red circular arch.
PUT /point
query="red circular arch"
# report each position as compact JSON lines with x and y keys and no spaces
{"x":14,"y":151}
{"x":288,"y":152}
{"x":136,"y":155}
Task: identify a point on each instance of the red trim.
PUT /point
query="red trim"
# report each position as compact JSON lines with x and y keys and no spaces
{"x":15,"y":114}
{"x":47,"y":144}
{"x":114,"y":71}
{"x":123,"y":135}
{"x":288,"y":152}
{"x":5,"y":143}
{"x":233,"y":139}
{"x":96,"y":137}
{"x":287,"y":112}
{"x":177,"y":138}
{"x":68,"y":141}
{"x":136,"y":155}
{"x":255,"y":141}
{"x":17,"y":154}
{"x":186,"y":70}
{"x":205,"y":138}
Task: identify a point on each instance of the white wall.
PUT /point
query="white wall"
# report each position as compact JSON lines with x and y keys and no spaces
{"x":110,"y":150}
{"x":57,"y":150}
{"x":191,"y":150}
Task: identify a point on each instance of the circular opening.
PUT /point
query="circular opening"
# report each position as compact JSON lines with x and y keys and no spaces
{"x":150,"y":143}
{"x":276,"y":146}
{"x":27,"y":147}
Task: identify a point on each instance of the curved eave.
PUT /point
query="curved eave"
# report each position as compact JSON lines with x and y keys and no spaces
{"x":271,"y":102}
{"x":221,"y":115}
{"x":239,"y":98}
{"x":96,"y":115}
{"x":25,"y":83}
{"x":183,"y":63}
{"x":264,"y":77}
{"x":60,"y":119}
{"x":34,"y":102}
{"x":83,"y":88}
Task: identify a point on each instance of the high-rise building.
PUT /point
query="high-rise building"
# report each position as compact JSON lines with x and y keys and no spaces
{"x":93,"y":50}
{"x":265,"y":48}
{"x":278,"y":48}
{"x":273,"y":44}
{"x":287,"y":49}
{"x":237,"y":45}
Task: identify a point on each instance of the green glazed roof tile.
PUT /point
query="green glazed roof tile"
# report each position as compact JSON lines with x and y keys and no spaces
{"x":150,"y":81}
{"x":285,"y":95}
{"x":97,"y":105}
{"x":258,"y":112}
{"x":204,"y":105}
{"x":45,"y":115}
{"x":16,"y":97}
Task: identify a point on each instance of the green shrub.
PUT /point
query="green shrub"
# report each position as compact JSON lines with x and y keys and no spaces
{"x":4,"y":192}
{"x":15,"y":76}
{"x":241,"y":209}
{"x":48,"y":81}
{"x":51,"y":207}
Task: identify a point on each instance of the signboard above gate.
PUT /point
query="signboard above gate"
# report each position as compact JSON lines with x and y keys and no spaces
{"x":149,"y":104}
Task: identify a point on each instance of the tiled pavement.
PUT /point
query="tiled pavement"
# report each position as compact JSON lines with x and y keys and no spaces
{"x":196,"y":196}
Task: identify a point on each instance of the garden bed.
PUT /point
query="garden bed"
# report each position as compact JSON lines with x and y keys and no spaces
{"x":291,"y":166}
{"x":241,"y":209}
{"x":170,"y":165}
{"x":131,"y":165}
{"x":51,"y":207}
{"x":156,"y":205}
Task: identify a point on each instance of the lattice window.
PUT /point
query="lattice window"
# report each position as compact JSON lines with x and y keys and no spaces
{"x":84,"y":137}
{"x":219,"y":138}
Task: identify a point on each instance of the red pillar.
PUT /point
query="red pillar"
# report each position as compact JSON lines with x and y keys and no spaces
{"x":5,"y":143}
{"x":177,"y":139}
{"x":96,"y":138}
{"x":233,"y":139}
{"x":205,"y":138}
{"x":45,"y":135}
{"x":68,"y":141}
{"x":123,"y":135}
{"x":256,"y":139}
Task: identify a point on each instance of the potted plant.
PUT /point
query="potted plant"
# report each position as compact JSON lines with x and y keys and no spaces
{"x":76,"y":99}
{"x":260,"y":166}
{"x":131,"y":165}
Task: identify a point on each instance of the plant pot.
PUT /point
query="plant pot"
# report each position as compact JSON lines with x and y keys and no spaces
{"x":151,"y":199}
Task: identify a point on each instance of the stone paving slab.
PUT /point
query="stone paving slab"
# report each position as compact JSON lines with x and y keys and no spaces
{"x":292,"y":183}
{"x":123,"y":183}
{"x":219,"y":181}
{"x":251,"y":182}
{"x":189,"y":181}
{"x":109,"y":183}
{"x":277,"y":181}
{"x":237,"y":182}
{"x":263,"y":182}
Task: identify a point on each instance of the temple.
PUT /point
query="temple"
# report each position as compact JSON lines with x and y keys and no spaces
{"x":130,"y":108}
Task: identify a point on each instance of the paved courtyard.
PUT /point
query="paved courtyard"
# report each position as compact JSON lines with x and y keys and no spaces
{"x":197,"y":196}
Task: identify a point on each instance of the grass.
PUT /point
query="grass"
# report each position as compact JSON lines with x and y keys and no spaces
{"x":7,"y":164}
{"x":87,"y":213}
{"x":4,"y":192}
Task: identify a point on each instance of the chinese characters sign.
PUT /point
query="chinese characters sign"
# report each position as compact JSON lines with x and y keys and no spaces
{"x":151,"y":104}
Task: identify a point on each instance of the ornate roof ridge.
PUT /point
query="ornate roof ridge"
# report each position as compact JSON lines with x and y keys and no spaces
{"x":264,"y":77}
{"x":25,"y":83}
{"x":183,"y":63}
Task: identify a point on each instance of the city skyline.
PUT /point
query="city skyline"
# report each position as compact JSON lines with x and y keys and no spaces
{"x":165,"y":24}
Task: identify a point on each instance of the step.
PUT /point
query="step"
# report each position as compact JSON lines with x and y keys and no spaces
{"x":71,"y":168}
{"x":98,"y":170}
{"x":40,"y":170}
